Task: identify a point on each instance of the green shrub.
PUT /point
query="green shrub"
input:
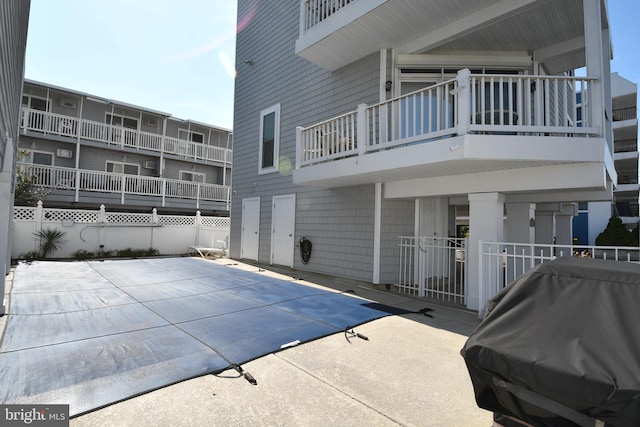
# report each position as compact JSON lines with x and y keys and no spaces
{"x":81,"y":255}
{"x":616,"y":234}
{"x":50,"y":240}
{"x":30,"y":256}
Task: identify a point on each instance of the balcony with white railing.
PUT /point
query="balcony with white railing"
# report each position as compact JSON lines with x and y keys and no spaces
{"x":83,"y":180}
{"x":121,"y":137}
{"x":335,"y":33}
{"x":511,"y":119}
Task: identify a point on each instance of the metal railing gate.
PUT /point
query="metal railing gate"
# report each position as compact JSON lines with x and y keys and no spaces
{"x":433,"y":267}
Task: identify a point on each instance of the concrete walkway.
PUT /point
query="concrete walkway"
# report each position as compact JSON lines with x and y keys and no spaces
{"x":409,"y":372}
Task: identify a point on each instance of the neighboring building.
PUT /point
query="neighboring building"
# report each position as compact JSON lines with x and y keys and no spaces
{"x":593,"y":217}
{"x":86,"y":150}
{"x":14,"y":16}
{"x":360,"y":121}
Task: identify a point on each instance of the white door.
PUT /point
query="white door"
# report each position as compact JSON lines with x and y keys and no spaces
{"x":249,"y":238}
{"x":283,"y":229}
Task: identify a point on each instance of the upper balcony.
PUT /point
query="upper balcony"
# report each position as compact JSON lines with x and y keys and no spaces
{"x":474,"y":123}
{"x":334,"y":33}
{"x":120,"y":137}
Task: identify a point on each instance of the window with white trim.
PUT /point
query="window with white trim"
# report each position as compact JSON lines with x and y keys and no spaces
{"x":269,"y":139}
{"x":193,"y":176}
{"x":121,"y":167}
{"x":39,"y":158}
{"x":119,"y":120}
{"x":190,"y":135}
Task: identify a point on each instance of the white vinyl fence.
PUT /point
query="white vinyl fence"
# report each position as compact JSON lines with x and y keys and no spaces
{"x":436,"y":268}
{"x":98,"y":230}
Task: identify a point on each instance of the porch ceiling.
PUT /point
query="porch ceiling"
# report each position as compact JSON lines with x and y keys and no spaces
{"x":552,"y":27}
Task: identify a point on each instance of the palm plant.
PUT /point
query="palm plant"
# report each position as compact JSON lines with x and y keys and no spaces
{"x":50,"y":240}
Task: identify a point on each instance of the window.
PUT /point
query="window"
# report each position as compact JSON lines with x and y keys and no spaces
{"x":192,"y":176}
{"x":191,"y":136}
{"x":35,"y":103}
{"x":126,"y":122}
{"x":269,"y":139}
{"x":39,"y":158}
{"x":121,"y":167}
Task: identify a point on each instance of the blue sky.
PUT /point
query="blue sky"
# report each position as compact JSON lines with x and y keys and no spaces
{"x":178,"y":56}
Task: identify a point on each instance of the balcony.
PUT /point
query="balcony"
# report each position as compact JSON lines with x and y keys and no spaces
{"x":474,"y":123}
{"x":335,"y":33}
{"x":162,"y":189}
{"x":120,"y":137}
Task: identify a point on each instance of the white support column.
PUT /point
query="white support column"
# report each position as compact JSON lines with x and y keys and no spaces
{"x":544,"y":227}
{"x":463,"y":92}
{"x":594,"y":53}
{"x":486,"y":223}
{"x":362,"y":136}
{"x":521,"y":222}
{"x":564,"y":224}
{"x":6,"y":214}
{"x":377,"y":230}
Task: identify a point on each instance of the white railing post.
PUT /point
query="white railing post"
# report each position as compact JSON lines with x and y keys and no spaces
{"x":198,"y":225}
{"x":102,"y":221}
{"x":299,"y":147}
{"x":463,"y":93}
{"x":39,"y":214}
{"x":362,"y":140}
{"x":164,"y":190}
{"x":123,"y":183}
{"x":303,"y":15}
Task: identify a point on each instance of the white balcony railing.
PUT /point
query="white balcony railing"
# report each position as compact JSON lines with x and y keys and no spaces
{"x":54,"y":177}
{"x":315,"y":11}
{"x":471,"y":103}
{"x":112,"y":135}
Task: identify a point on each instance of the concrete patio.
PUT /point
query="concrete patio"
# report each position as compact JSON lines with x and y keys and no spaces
{"x":409,"y":372}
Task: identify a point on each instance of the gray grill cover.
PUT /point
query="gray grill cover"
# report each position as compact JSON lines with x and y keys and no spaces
{"x":568,"y":333}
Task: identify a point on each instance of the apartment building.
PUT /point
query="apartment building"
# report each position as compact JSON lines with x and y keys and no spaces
{"x":358,"y":122}
{"x":14,"y":15}
{"x":86,"y":150}
{"x":593,"y":217}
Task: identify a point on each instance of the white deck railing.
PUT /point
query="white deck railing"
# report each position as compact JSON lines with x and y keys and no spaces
{"x":315,"y":11}
{"x":435,"y":267}
{"x":471,"y":103}
{"x":501,"y":263}
{"x":56,"y":177}
{"x":112,"y":135}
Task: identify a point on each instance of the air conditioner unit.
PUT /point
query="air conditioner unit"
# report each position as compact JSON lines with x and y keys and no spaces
{"x":61,"y":152}
{"x":68,"y":103}
{"x":150,"y":121}
{"x":149,"y":164}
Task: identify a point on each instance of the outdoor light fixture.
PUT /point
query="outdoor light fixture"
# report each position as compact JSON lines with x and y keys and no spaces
{"x":387,"y":85}
{"x":248,"y":61}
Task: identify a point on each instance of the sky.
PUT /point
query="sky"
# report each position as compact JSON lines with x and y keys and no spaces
{"x":178,"y":56}
{"x":166,"y":55}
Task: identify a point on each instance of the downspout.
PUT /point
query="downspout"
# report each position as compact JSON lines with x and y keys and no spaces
{"x":377,"y":222}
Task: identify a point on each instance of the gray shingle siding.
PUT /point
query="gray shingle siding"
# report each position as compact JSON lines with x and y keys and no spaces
{"x":14,"y":20}
{"x":338,"y":221}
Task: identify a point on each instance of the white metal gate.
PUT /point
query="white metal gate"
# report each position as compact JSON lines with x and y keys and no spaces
{"x":433,"y":267}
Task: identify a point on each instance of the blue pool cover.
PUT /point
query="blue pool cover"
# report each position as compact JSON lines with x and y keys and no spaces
{"x":89,"y":334}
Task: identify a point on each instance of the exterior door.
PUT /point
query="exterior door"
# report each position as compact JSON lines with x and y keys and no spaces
{"x":283,"y":229}
{"x":249,"y":238}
